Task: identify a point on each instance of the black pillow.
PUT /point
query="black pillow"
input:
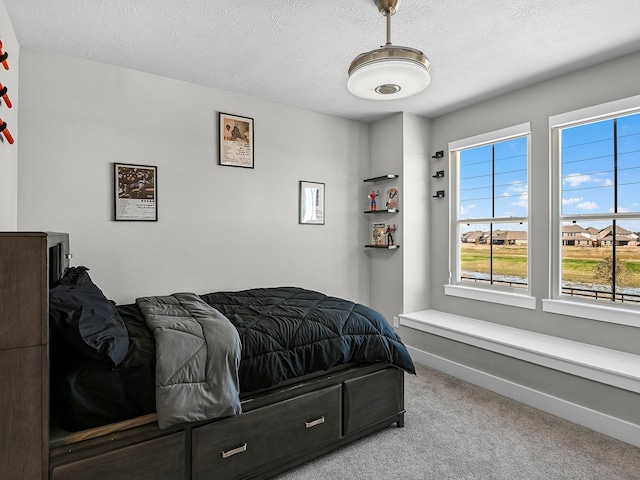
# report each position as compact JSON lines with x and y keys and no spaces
{"x":83,"y":316}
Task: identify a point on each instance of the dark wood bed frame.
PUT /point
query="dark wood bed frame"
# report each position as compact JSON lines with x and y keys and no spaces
{"x":279,"y":428}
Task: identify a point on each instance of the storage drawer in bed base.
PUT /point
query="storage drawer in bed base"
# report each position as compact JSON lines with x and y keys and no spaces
{"x":372,"y":398}
{"x":162,"y":457}
{"x":324,"y":413}
{"x":254,"y":442}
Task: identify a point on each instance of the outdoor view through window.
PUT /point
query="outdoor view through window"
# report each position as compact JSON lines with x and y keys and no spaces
{"x":493,"y":216}
{"x":600,"y":219}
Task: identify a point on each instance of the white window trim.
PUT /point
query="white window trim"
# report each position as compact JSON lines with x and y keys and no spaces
{"x":511,"y":299}
{"x":491,"y":137}
{"x":492,"y":295}
{"x":585,"y":309}
{"x":593,"y":113}
{"x":620,"y":315}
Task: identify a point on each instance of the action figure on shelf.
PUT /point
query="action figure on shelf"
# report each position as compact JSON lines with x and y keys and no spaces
{"x":373,"y":196}
{"x":389,"y":232}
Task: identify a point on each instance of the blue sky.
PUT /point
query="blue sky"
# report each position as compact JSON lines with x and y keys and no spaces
{"x":503,"y":168}
{"x":587,"y":174}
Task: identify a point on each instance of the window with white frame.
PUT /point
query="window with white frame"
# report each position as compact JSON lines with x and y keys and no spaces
{"x":596,"y":156}
{"x":490,"y":234}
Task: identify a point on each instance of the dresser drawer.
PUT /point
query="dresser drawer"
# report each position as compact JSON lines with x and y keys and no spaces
{"x":260,"y":439}
{"x":158,"y":458}
{"x":372,"y":399}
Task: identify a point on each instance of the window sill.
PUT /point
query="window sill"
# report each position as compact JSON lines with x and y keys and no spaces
{"x":602,"y":313}
{"x":503,"y":298}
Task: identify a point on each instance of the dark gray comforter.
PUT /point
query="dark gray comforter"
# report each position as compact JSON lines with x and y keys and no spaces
{"x":197,"y":359}
{"x":287,"y":332}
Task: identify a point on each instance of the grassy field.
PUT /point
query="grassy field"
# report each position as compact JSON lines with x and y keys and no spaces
{"x":577,"y":262}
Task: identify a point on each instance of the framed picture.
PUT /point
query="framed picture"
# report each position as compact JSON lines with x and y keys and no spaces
{"x":135,"y":192}
{"x":235,"y":138}
{"x":311,"y":203}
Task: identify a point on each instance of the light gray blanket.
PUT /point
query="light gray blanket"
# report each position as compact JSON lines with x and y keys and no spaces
{"x":197,"y":359}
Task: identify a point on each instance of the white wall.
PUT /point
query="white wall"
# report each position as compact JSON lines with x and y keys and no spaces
{"x":219,"y":227}
{"x":9,"y":153}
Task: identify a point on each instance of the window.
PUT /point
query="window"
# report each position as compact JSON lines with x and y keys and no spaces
{"x":598,"y":163}
{"x":490,"y":234}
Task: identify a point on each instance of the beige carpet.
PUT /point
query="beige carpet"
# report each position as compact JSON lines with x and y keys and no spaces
{"x":455,"y":430}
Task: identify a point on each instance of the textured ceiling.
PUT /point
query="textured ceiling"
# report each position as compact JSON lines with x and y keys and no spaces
{"x":297,"y":52}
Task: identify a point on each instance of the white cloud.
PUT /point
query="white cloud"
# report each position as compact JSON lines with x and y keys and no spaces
{"x":523,"y":201}
{"x":467,"y":209}
{"x":522,"y":191}
{"x":575,"y":179}
{"x":571,"y":201}
{"x":608,"y":182}
{"x":587,"y":205}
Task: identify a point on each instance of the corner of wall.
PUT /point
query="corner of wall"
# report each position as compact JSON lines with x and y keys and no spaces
{"x":417,"y":167}
{"x":399,"y":280}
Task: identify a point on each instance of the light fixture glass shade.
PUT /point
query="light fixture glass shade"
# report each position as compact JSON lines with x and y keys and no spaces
{"x":389,"y":73}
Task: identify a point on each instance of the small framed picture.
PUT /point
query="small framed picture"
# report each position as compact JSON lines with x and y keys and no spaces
{"x":235,"y":139}
{"x":135,"y":192}
{"x":311,"y":201}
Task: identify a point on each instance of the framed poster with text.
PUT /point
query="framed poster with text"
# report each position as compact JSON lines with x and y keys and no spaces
{"x":235,"y":138}
{"x":135,"y":192}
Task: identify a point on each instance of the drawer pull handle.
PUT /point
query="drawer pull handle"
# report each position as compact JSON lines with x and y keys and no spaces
{"x":314,"y":422}
{"x":229,"y":453}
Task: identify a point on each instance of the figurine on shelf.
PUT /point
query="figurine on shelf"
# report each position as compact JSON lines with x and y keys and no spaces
{"x":373,"y":196}
{"x":389,"y":232}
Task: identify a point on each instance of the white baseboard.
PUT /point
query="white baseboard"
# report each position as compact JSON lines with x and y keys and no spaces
{"x":614,"y":427}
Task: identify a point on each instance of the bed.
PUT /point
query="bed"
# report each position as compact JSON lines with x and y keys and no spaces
{"x":302,"y":373}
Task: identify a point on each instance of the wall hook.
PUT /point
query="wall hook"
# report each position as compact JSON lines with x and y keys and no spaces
{"x":5,"y":97}
{"x":439,"y":154}
{"x":439,"y":194}
{"x":5,"y":131}
{"x":3,"y":57}
{"x":439,"y":174}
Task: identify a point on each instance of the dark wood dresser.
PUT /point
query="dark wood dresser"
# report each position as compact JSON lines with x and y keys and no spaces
{"x":24,"y":399}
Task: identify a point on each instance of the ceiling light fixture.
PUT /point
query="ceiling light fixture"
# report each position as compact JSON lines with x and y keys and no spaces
{"x":389,"y":72}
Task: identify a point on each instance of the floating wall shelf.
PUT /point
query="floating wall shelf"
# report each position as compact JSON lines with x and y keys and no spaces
{"x":381,"y":178}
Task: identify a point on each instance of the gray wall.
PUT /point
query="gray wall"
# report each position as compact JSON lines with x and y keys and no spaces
{"x":606,"y":82}
{"x":230,"y":228}
{"x":400,"y":278}
{"x":219,"y":227}
{"x":386,"y":281}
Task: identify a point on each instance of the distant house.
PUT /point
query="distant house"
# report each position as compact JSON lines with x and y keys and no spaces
{"x":471,"y":237}
{"x":576,"y":236}
{"x":593,"y":231}
{"x":498,"y":237}
{"x":623,"y":237}
{"x":509,"y":237}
